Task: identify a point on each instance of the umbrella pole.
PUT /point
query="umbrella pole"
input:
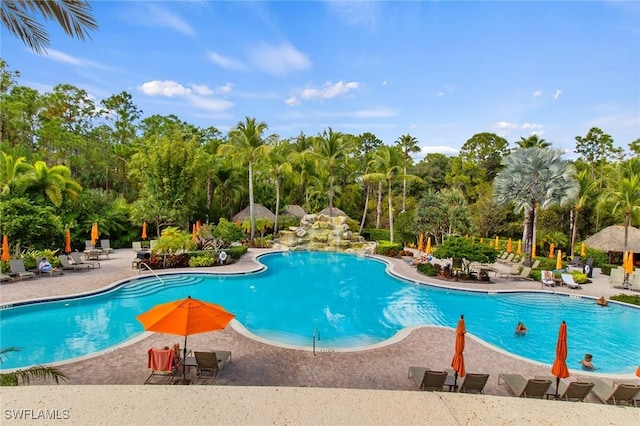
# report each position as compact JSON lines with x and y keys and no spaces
{"x":557,"y":386}
{"x":455,"y":380}
{"x":184,"y":359}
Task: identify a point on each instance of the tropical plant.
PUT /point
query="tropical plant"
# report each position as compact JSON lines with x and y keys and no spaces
{"x":330,"y":151}
{"x":13,"y":173}
{"x":535,"y":178}
{"x":532,"y":141}
{"x":464,"y":248}
{"x":247,"y":146}
{"x":24,"y":376}
{"x":173,"y":240}
{"x":73,"y":16}
{"x":408,"y":144}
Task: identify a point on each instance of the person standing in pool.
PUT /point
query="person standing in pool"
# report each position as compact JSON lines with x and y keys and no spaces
{"x":521,"y":329}
{"x":587,"y":363}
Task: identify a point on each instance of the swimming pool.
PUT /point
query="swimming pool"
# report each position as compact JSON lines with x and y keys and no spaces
{"x":349,"y":300}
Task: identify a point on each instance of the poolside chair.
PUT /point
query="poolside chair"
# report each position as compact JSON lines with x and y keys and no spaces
{"x":514,"y":271}
{"x":622,"y":394}
{"x":18,"y":270}
{"x":567,"y":279}
{"x":428,"y":380}
{"x":575,"y":262}
{"x":616,"y":277}
{"x":209,"y":365}
{"x":105,"y":248}
{"x":573,"y":391}
{"x":634,"y":281}
{"x":163,"y":366}
{"x":77,"y":260}
{"x":4,"y":277}
{"x":508,"y":259}
{"x":136,"y":246}
{"x":547,"y":278}
{"x":64,"y":261}
{"x":524,"y":274}
{"x":473,"y":383}
{"x":535,"y":264}
{"x":523,"y":388}
{"x":88,"y":245}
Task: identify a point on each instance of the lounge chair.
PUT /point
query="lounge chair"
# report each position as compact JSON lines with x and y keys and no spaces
{"x":616,"y":277}
{"x":573,"y":391}
{"x":575,"y":263}
{"x":547,"y":278}
{"x":473,"y":383}
{"x":136,"y":246}
{"x":428,"y":380}
{"x":163,"y":366}
{"x":4,"y":277}
{"x":88,"y":245}
{"x":508,"y":259}
{"x":523,"y":388}
{"x":105,"y":248}
{"x":634,"y":281}
{"x":567,"y":279}
{"x":18,"y":270}
{"x":209,"y":365}
{"x":77,"y":260}
{"x":622,"y":394}
{"x":524,"y":274}
{"x":514,"y":271}
{"x":64,"y":261}
{"x":535,"y":264}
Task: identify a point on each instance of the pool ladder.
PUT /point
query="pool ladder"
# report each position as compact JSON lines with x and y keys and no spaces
{"x":152,"y":271}
{"x":315,"y":332}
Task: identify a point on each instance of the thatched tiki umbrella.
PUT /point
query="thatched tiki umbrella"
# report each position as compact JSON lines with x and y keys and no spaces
{"x":259,"y":212}
{"x":612,"y":238}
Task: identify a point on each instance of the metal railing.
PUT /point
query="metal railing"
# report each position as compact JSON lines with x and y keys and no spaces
{"x":152,"y":271}
{"x":315,"y":332}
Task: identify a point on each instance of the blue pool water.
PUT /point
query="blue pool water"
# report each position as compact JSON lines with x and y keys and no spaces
{"x":350,"y":300}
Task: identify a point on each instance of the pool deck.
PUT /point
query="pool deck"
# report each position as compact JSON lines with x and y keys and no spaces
{"x":268,"y":384}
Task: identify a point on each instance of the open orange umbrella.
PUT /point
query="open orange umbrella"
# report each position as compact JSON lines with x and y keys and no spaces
{"x":67,"y":241}
{"x":144,"y":230}
{"x":421,"y":243}
{"x":5,"y":248}
{"x":457,"y":363}
{"x":519,"y":250}
{"x":509,"y":246}
{"x":428,"y":249}
{"x":559,"y":260}
{"x":552,"y":248}
{"x":185,"y":317}
{"x":583,"y":250}
{"x":559,"y":368}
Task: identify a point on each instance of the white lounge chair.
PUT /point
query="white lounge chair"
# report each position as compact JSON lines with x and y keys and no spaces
{"x":567,"y":279}
{"x":547,"y":278}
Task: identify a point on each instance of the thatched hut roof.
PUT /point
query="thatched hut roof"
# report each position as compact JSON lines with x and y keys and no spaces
{"x":259,"y":212}
{"x":293,"y":210}
{"x":611,"y":239}
{"x":336,"y":212}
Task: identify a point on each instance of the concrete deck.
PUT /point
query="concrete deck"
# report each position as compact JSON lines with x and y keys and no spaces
{"x":267,"y":384}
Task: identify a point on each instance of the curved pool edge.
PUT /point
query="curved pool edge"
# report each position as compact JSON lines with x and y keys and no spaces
{"x":258,"y":267}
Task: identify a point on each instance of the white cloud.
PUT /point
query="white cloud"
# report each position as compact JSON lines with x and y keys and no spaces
{"x":202,"y":90}
{"x":531,"y":126}
{"x":225,"y":88}
{"x":537,"y":93}
{"x":506,"y":126}
{"x":440,"y":93}
{"x":164,"y":88}
{"x":210,"y":104}
{"x":384,"y":82}
{"x":557,"y":94}
{"x":58,"y":56}
{"x":356,"y":13}
{"x":165,"y":18}
{"x":330,"y":90}
{"x":292,"y":101}
{"x":227,"y":63}
{"x":279,"y":59}
{"x":438,"y":149}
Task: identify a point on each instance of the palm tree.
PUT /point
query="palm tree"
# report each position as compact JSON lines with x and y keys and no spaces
{"x":623,"y":190}
{"x":304,"y":175}
{"x":587,"y":188}
{"x":55,"y":183}
{"x":532,"y":178}
{"x":408,"y":144}
{"x":330,"y":150}
{"x":17,"y":377}
{"x":246,"y":147}
{"x":74,"y":16}
{"x":279,"y":167}
{"x":533,"y":141}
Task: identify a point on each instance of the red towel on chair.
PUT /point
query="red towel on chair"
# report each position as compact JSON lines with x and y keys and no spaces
{"x":160,"y":359}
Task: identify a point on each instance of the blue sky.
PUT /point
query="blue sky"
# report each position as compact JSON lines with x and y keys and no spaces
{"x":440,"y":71}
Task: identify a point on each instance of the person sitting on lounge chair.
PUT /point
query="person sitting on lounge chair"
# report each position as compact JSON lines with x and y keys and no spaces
{"x":602,"y":301}
{"x":587,"y":363}
{"x":521,"y":329}
{"x":45,"y":266}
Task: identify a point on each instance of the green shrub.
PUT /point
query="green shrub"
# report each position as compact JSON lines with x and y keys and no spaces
{"x":606,"y":268}
{"x":632,"y":299}
{"x":428,"y":269}
{"x":202,"y":260}
{"x":228,"y":231}
{"x":379,"y":235}
{"x":579,"y":277}
{"x":236,"y":252}
{"x":387,"y":248}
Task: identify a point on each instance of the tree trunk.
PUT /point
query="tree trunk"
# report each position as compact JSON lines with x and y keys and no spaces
{"x":574,"y":231}
{"x":275,"y":226}
{"x":366,"y":203}
{"x":379,"y":206}
{"x":390,"y":215}
{"x":404,"y":189}
{"x":251,"y":216}
{"x":331,"y":194}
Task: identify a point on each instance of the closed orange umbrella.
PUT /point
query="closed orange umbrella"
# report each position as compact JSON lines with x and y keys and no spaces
{"x":559,"y":368}
{"x":67,"y":241}
{"x":481,"y":240}
{"x":95,"y":234}
{"x":519,"y":250}
{"x":185,"y":317}
{"x":457,"y":363}
{"x":552,"y":248}
{"x":428,"y":249}
{"x":421,"y":242}
{"x":583,"y":250}
{"x":533,"y":251}
{"x":497,"y":243}
{"x":198,"y":225}
{"x":194,"y":232}
{"x":638,"y":372}
{"x":5,"y":248}
{"x":144,"y":230}
{"x":559,"y":260}
{"x":509,"y":246}
{"x":628,"y":262}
